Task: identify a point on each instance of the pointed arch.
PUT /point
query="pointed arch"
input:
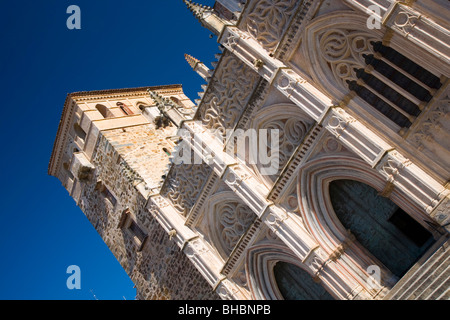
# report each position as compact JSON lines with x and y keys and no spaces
{"x":321,"y":219}
{"x":336,"y":43}
{"x":261,"y":261}
{"x":346,"y":57}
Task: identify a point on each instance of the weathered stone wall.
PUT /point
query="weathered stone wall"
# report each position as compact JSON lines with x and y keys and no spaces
{"x":141,"y":148}
{"x":160,"y":270}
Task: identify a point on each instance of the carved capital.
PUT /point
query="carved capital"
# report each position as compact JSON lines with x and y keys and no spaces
{"x":226,"y":290}
{"x":338,"y":122}
{"x":195,"y":248}
{"x":274,"y":219}
{"x":392,"y":164}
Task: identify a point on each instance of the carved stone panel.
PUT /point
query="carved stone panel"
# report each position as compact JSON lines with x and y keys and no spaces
{"x":268,"y":20}
{"x":292,"y":132}
{"x":431,"y":133}
{"x":232,"y":221}
{"x":344,"y":50}
{"x":227,"y":95}
{"x":184,"y":185}
{"x":292,"y":126}
{"x":226,"y":220}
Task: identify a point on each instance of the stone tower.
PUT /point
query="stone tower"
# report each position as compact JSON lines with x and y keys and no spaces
{"x":358,"y":206}
{"x":111,"y":150}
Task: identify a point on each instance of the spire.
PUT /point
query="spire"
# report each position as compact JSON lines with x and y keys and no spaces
{"x":197,"y":9}
{"x":191,"y":60}
{"x":198,"y":66}
{"x":207,"y":16}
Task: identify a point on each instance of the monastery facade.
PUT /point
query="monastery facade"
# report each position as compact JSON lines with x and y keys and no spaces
{"x":339,"y":188}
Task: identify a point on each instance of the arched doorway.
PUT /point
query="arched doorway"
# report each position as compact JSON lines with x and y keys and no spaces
{"x":295,"y":283}
{"x":379,"y":225}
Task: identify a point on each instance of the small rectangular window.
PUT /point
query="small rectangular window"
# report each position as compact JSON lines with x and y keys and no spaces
{"x":137,"y":231}
{"x":106,"y":193}
{"x":128,"y":224}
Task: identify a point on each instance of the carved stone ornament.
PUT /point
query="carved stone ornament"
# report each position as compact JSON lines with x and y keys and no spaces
{"x":268,"y":21}
{"x":442,"y":213}
{"x":405,"y":21}
{"x":195,"y":248}
{"x":274,"y":219}
{"x":432,"y":131}
{"x":343,"y":51}
{"x":335,"y":45}
{"x":338,"y":122}
{"x":393,"y":163}
{"x":292,"y":126}
{"x":233,"y":220}
{"x":225,"y":292}
{"x":227,"y":95}
{"x":185,"y":184}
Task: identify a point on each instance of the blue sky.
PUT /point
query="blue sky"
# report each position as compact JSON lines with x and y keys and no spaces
{"x":121,"y":44}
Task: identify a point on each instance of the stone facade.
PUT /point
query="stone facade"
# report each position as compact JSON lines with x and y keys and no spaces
{"x":357,"y":207}
{"x":123,"y":159}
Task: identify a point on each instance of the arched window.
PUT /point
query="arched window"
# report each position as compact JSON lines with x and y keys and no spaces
{"x":106,"y":193}
{"x":129,"y":225}
{"x":141,"y":106}
{"x":348,"y":58}
{"x":105,"y":112}
{"x":379,"y":225}
{"x":125,"y":109}
{"x":393,"y":84}
{"x":79,"y":131}
{"x":295,"y":283}
{"x":176,"y":101}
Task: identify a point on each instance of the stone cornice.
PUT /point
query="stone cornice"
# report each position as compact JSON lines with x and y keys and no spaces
{"x":122,"y":93}
{"x":60,"y":136}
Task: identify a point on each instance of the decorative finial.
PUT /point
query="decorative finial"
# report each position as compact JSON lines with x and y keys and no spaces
{"x":160,"y":101}
{"x":165,"y":104}
{"x":197,"y":9}
{"x":198,"y":66}
{"x":191,"y":60}
{"x":207,"y":16}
